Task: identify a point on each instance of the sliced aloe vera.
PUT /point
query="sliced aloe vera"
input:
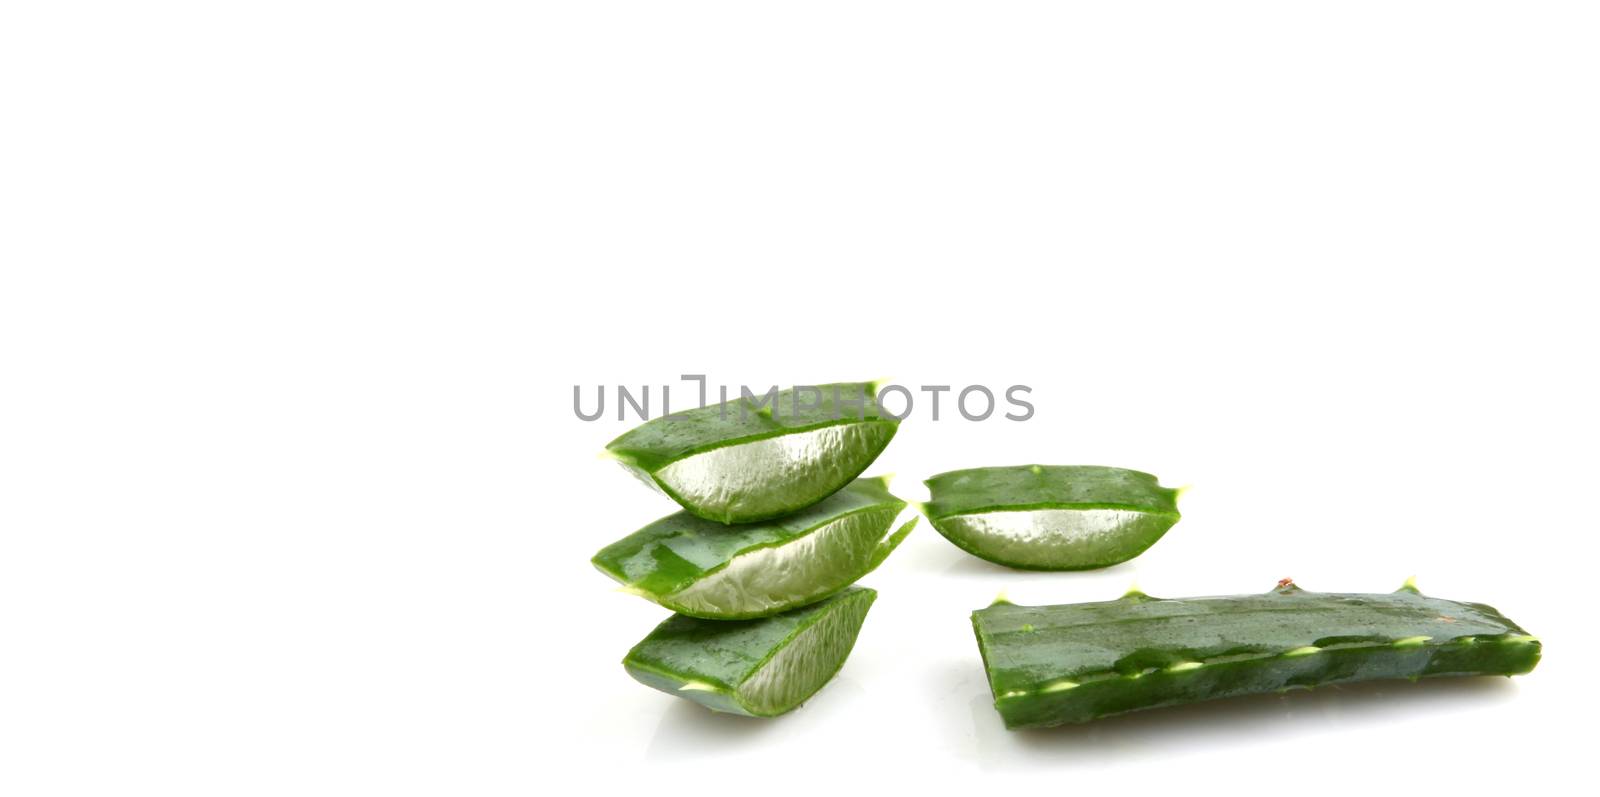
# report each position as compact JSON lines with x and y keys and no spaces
{"x":1044,"y":517}
{"x":761,"y":668}
{"x":706,"y":569}
{"x":747,"y":460}
{"x":1050,"y":665}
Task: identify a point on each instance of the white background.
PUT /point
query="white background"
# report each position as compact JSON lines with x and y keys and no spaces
{"x":294,"y":296}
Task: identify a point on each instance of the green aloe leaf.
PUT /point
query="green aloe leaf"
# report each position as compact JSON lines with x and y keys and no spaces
{"x":747,"y":460}
{"x":761,"y":668}
{"x":1050,"y":665}
{"x":706,"y":569}
{"x":1043,"y":517}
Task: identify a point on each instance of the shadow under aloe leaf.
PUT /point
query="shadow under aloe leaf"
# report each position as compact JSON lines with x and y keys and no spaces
{"x":1230,"y":719}
{"x":689,"y":730}
{"x":967,"y":564}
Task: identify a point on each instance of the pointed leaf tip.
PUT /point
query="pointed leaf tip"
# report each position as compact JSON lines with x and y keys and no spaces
{"x":888,"y":544}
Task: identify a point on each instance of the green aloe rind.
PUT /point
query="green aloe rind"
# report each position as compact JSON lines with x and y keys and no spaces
{"x":759,"y":668}
{"x":1052,"y":665}
{"x":754,"y":459}
{"x":713,"y":571}
{"x":1051,"y":517}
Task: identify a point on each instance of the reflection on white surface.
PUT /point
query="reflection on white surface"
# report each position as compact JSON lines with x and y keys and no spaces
{"x":913,"y":705}
{"x":969,"y":730}
{"x":1233,"y":722}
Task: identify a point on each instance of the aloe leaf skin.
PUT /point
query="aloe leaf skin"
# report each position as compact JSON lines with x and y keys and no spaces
{"x":705,"y":569}
{"x":1053,"y":665}
{"x":759,"y":668}
{"x":1051,"y":517}
{"x":747,"y":460}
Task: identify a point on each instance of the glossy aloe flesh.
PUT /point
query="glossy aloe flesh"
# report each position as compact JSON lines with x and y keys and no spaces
{"x":757,"y":458}
{"x":1051,"y":517}
{"x":1050,"y":665}
{"x":706,"y":569}
{"x":760,"y":668}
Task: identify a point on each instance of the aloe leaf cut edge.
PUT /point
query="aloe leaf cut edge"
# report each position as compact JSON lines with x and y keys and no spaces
{"x":713,"y":571}
{"x":753,"y":459}
{"x":758,"y":668}
{"x":1051,"y":517}
{"x":1072,"y":663}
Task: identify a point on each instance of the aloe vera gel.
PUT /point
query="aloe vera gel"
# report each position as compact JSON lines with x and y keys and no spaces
{"x":757,"y":458}
{"x":705,"y":569}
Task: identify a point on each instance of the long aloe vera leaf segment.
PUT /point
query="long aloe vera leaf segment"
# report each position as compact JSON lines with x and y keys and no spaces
{"x":760,"y":668}
{"x":706,"y":569}
{"x":1050,"y":665}
{"x":757,"y":458}
{"x":1051,"y":517}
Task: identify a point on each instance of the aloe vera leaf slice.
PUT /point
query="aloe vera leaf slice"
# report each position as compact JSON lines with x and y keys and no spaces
{"x":1050,"y":665}
{"x":744,"y":460}
{"x":1051,"y":517}
{"x":760,"y":668}
{"x":706,"y":569}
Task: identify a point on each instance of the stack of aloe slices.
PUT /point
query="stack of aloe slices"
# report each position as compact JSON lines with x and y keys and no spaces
{"x":776,"y":527}
{"x":758,"y":566}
